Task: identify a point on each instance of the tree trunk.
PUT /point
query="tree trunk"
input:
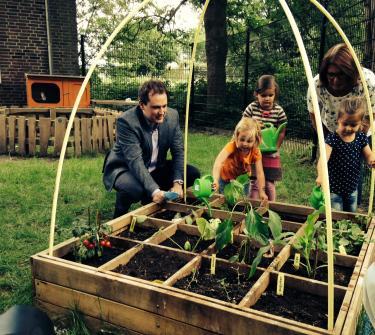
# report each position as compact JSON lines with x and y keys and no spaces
{"x":215,"y":23}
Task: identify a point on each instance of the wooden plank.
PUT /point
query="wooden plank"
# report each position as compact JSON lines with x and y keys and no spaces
{"x":44,"y":134}
{"x":111,"y":131}
{"x":115,"y":102}
{"x":100,"y":133}
{"x":122,"y":259}
{"x":21,"y":127}
{"x":106,"y":143}
{"x":31,"y":134}
{"x":95,"y":134}
{"x":113,"y":312}
{"x":86,"y":135}
{"x":52,"y":114}
{"x":3,"y":135}
{"x":12,"y":133}
{"x":176,"y":304}
{"x":60,"y":128}
{"x":77,"y":137}
{"x":184,"y":271}
{"x":96,"y":326}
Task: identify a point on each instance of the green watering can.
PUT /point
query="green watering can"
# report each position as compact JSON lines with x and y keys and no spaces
{"x":202,"y":187}
{"x":316,"y":198}
{"x":270,"y":135}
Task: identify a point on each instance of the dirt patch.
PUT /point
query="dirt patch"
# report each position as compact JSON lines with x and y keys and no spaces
{"x":181,"y":237}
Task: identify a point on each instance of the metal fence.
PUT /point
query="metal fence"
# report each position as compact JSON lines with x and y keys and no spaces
{"x":268,"y":49}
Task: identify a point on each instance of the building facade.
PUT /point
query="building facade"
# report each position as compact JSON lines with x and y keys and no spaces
{"x":33,"y":40}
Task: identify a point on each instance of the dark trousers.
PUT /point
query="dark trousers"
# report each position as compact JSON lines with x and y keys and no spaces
{"x":130,"y":190}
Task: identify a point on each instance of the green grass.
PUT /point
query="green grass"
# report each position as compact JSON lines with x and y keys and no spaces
{"x":26,"y":190}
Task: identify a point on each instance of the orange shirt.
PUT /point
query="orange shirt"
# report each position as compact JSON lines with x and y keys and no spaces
{"x":237,"y":163}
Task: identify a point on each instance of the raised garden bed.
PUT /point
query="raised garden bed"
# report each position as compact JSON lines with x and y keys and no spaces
{"x":172,"y":291}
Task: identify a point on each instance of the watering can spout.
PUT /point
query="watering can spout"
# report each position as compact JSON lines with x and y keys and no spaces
{"x":281,"y":127}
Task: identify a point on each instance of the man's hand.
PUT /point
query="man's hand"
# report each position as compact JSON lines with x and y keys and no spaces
{"x":158,"y":197}
{"x":178,"y":189}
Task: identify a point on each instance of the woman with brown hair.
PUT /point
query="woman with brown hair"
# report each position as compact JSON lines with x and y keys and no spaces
{"x":338,"y":79}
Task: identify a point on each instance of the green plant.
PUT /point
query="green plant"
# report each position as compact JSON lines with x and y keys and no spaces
{"x":348,"y":234}
{"x":313,"y":239}
{"x":267,"y":233}
{"x":93,"y":237}
{"x":235,"y":190}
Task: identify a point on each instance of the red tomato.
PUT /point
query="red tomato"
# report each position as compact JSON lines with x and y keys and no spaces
{"x":102,"y":243}
{"x":108,"y":244}
{"x":86,"y":242}
{"x":91,"y":246}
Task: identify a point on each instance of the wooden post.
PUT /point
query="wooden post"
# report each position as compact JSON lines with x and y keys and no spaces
{"x":31,"y":135}
{"x":77,"y":137}
{"x":44,"y":134}
{"x":12,"y":133}
{"x":21,"y":126}
{"x":3,"y":134}
{"x":60,"y":126}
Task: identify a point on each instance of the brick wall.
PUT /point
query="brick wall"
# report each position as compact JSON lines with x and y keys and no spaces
{"x":23,"y":44}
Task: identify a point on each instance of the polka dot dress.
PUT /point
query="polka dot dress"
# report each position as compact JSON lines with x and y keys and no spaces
{"x":344,"y":164}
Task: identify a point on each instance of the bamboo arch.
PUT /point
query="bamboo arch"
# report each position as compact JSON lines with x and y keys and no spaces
{"x":192,"y":60}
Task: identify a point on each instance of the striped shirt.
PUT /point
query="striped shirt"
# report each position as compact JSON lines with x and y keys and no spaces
{"x":276,"y":116}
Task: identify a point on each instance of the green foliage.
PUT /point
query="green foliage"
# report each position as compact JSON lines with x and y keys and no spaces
{"x":268,"y":233}
{"x":224,"y":234}
{"x":235,"y":190}
{"x":93,"y":237}
{"x":347,"y":234}
{"x":313,"y":239}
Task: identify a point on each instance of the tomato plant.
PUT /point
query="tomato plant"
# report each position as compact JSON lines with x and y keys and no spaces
{"x":93,"y":237}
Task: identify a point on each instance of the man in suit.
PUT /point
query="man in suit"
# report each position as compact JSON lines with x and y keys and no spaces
{"x":137,"y":166}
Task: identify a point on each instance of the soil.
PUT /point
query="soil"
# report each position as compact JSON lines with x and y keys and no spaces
{"x":152,"y":265}
{"x":227,"y":285}
{"x":342,"y":274}
{"x":190,"y":201}
{"x":108,"y":254}
{"x":296,"y":305}
{"x":166,"y":215}
{"x":181,"y":237}
{"x":232,"y":249}
{"x":139,"y":233}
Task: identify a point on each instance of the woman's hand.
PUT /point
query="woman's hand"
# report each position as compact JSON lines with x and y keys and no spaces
{"x":318,"y":181}
{"x":178,"y":189}
{"x":263,"y":195}
{"x":215,"y":186}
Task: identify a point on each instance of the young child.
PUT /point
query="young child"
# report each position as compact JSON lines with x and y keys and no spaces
{"x":265,"y":109}
{"x":237,"y":156}
{"x":344,"y":149}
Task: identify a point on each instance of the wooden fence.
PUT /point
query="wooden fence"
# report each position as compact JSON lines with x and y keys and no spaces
{"x":29,"y":132}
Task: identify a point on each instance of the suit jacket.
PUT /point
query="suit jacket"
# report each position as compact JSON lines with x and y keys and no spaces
{"x":133,"y":148}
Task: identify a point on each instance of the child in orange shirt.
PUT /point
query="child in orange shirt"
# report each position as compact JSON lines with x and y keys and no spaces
{"x":237,"y":156}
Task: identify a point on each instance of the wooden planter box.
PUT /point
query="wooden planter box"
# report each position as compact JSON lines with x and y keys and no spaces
{"x":156,"y":305}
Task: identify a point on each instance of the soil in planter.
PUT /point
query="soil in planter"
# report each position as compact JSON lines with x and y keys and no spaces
{"x":108,"y":254}
{"x":190,"y":201}
{"x":152,"y":265}
{"x":342,"y":274}
{"x":296,"y":305}
{"x":227,"y":284}
{"x":232,"y":249}
{"x":181,"y":237}
{"x":166,"y":215}
{"x":139,"y":233}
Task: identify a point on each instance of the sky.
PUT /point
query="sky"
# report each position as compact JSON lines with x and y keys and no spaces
{"x":187,"y":16}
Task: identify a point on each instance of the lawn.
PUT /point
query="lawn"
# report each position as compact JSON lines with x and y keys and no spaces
{"x":26,"y":189}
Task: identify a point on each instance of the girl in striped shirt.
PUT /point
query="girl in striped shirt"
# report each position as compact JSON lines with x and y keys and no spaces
{"x":265,"y":109}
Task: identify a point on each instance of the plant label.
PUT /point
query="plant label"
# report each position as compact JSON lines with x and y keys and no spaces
{"x":297,"y":258}
{"x":342,"y":250}
{"x":280,"y":284}
{"x":213,"y":264}
{"x":132,"y":224}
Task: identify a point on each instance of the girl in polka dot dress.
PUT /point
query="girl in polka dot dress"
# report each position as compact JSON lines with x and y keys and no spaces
{"x":344,"y":149}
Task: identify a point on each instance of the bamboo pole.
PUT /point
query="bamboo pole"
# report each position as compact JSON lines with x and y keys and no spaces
{"x":325,"y":182}
{"x":191,"y":66}
{"x":74,"y":110}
